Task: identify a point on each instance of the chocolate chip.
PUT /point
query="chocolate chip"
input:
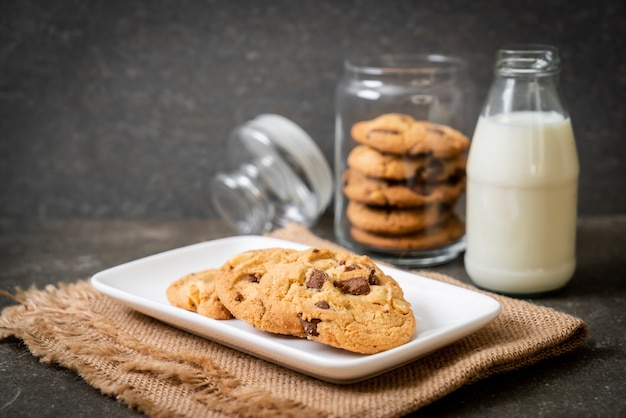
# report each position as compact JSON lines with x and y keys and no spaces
{"x":316,"y":279}
{"x":352,"y":267}
{"x":254,"y":277}
{"x":310,"y":327}
{"x":322,"y":304}
{"x":372,"y":279}
{"x":238,"y":297}
{"x":434,"y":168}
{"x":316,"y":250}
{"x":354,"y":286}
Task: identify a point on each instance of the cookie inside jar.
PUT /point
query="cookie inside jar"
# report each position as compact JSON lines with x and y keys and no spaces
{"x":402,"y":183}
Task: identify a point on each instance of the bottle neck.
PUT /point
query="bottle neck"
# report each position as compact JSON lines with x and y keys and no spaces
{"x":526,"y":80}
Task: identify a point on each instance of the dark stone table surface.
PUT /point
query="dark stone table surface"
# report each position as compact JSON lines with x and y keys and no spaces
{"x":589,"y":381}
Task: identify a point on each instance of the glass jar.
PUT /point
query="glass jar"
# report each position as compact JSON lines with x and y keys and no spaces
{"x":278,"y":175}
{"x":522,"y":179}
{"x":402,"y":126}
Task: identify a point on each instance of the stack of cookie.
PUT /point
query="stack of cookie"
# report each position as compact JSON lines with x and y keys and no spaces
{"x":403,"y":181}
{"x":332,"y":297}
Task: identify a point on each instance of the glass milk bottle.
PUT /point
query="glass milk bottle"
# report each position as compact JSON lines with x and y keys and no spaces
{"x":522,"y":176}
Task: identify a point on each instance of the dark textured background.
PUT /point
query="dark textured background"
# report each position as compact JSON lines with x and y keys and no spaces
{"x":120,"y":109}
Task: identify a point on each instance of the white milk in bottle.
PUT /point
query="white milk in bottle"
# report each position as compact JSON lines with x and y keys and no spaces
{"x":521,"y":204}
{"x":522,"y":186}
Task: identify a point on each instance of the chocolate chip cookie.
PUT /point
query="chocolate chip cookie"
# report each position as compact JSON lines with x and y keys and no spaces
{"x":401,"y":134}
{"x":431,"y":237}
{"x":401,"y":194}
{"x":389,"y":220}
{"x":196,"y":292}
{"x":238,"y":287}
{"x":374,"y":163}
{"x":339,"y":299}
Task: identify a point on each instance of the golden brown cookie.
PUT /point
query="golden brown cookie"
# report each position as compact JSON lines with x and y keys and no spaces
{"x":433,"y":237}
{"x":339,"y":299}
{"x":196,"y":292}
{"x":238,"y":288}
{"x":401,"y":134}
{"x":401,"y":194}
{"x":395,"y":221}
{"x":374,"y":163}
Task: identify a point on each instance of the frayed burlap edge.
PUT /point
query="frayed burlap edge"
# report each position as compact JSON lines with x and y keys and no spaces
{"x":121,"y":365}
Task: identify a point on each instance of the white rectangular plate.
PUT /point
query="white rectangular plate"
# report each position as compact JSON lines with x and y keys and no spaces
{"x":444,"y":313}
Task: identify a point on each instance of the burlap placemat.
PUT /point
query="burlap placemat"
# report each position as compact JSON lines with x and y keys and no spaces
{"x":163,"y":371}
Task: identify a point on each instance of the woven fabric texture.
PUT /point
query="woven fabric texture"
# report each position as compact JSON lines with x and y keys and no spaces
{"x":165,"y":372}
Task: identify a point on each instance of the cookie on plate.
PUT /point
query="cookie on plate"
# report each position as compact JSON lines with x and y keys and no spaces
{"x":401,"y":134}
{"x":401,"y":194}
{"x":436,"y":236}
{"x":396,"y":221}
{"x":196,"y":292}
{"x":339,"y":299}
{"x":238,"y":288}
